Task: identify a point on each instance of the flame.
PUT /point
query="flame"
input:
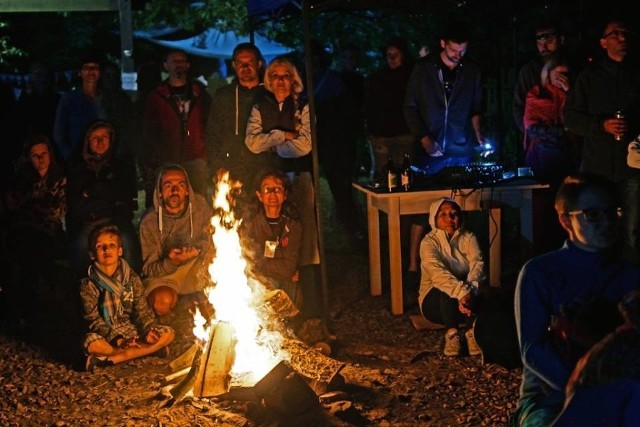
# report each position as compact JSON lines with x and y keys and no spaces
{"x":235,"y":299}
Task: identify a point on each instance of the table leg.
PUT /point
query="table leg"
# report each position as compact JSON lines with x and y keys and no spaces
{"x":395,"y":256}
{"x":526,"y":225}
{"x":375,"y":273}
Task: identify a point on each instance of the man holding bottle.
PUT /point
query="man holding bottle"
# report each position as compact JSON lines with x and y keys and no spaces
{"x":603,"y":107}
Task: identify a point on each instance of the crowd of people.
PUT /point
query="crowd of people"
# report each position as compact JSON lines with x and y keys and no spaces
{"x":74,"y":190}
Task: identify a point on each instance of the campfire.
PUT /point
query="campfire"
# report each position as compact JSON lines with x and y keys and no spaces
{"x":245,"y":351}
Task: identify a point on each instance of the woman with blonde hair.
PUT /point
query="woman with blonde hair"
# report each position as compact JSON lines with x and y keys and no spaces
{"x":279,"y":130}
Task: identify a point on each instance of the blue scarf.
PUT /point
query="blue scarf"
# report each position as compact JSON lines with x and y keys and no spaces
{"x":110,"y":305}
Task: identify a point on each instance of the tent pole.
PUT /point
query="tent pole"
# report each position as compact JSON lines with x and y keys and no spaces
{"x":126,"y":36}
{"x":314,"y":153}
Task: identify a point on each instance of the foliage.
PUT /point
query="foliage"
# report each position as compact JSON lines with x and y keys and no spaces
{"x":194,"y":16}
{"x":8,"y":52}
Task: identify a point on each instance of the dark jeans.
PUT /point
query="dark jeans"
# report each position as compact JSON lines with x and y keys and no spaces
{"x":439,"y":307}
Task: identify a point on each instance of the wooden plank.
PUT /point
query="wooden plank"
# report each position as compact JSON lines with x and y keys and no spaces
{"x":58,"y":5}
{"x":217,"y":360}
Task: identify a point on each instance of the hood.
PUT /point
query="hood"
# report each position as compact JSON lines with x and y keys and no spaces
{"x":435,"y":206}
{"x":158,"y":204}
{"x":90,"y":157}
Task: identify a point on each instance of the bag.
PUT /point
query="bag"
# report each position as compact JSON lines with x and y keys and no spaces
{"x":495,"y":328}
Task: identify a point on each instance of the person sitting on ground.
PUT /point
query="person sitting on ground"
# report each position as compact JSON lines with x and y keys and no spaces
{"x":175,"y":235}
{"x":35,"y":204}
{"x":586,"y":277}
{"x":274,"y":235}
{"x":452,"y":272}
{"x":121,"y":324}
{"x":604,"y":388}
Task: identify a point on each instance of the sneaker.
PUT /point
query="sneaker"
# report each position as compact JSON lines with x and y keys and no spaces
{"x":472,"y":345}
{"x":93,"y":361}
{"x":452,"y":344}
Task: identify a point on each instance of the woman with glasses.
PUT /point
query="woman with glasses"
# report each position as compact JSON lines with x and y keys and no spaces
{"x":273,"y":233}
{"x":566,"y":299}
{"x":279,"y":130}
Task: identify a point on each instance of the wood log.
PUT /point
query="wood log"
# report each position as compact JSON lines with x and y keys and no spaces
{"x":185,"y":360}
{"x":213,"y":374}
{"x":311,"y":363}
{"x":186,"y":385}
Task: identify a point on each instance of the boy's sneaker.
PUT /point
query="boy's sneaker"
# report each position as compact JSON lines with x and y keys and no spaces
{"x":452,"y":343}
{"x":472,"y":344}
{"x":93,"y":361}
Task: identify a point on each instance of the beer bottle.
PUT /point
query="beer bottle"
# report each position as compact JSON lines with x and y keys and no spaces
{"x":391,"y":176}
{"x":406,"y":176}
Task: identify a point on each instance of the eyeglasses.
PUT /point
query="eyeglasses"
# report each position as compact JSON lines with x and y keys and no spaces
{"x":618,"y":34}
{"x":274,"y":190}
{"x":280,"y":76}
{"x":545,"y":37}
{"x":598,"y":214}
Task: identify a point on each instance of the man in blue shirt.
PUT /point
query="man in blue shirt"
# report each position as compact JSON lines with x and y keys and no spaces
{"x":588,"y":267}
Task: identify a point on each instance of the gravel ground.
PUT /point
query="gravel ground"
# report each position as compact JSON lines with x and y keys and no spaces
{"x":394,"y":375}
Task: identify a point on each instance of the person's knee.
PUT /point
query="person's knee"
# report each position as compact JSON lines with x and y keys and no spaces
{"x":162,"y":300}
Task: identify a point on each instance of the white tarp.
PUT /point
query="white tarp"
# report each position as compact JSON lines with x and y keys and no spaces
{"x":214,"y":44}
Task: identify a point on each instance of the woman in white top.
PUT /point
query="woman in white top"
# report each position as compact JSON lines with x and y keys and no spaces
{"x":452,"y":270}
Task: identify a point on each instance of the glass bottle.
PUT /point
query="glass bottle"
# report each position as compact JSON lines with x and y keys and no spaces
{"x":391,"y":176}
{"x":619,"y":115}
{"x":406,"y":176}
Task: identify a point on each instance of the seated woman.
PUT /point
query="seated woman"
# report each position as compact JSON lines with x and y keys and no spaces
{"x":121,"y":325}
{"x":35,"y":205}
{"x":274,"y":234}
{"x":452,"y":270}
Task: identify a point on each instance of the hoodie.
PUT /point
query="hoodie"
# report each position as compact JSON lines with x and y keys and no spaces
{"x":161,"y":231}
{"x":455,"y":266}
{"x":100,"y":187}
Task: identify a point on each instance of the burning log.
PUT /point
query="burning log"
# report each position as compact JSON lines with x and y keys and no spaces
{"x":311,"y":363}
{"x":217,"y":359}
{"x":284,"y":392}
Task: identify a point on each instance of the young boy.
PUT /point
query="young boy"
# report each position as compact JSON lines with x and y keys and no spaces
{"x":121,"y":324}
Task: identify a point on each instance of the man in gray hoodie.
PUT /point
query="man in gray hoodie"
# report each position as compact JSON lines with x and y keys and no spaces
{"x":176,"y":241}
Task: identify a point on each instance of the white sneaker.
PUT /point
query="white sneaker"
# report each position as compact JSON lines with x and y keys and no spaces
{"x":452,"y":343}
{"x":472,"y":344}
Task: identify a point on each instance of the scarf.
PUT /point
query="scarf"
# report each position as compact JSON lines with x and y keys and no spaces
{"x":110,"y":304}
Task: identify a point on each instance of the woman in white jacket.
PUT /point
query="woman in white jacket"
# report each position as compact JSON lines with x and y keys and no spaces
{"x":452,"y":270}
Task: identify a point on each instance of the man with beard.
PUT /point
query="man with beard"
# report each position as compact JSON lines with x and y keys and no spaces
{"x":176,"y":241}
{"x":174,"y":124}
{"x":549,"y":39}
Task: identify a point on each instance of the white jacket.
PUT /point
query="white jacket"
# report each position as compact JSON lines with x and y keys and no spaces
{"x":455,"y":266}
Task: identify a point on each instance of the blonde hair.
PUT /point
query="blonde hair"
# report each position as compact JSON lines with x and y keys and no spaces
{"x":296,"y":81}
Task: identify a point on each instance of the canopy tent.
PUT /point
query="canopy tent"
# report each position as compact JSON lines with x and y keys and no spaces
{"x":212,"y":43}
